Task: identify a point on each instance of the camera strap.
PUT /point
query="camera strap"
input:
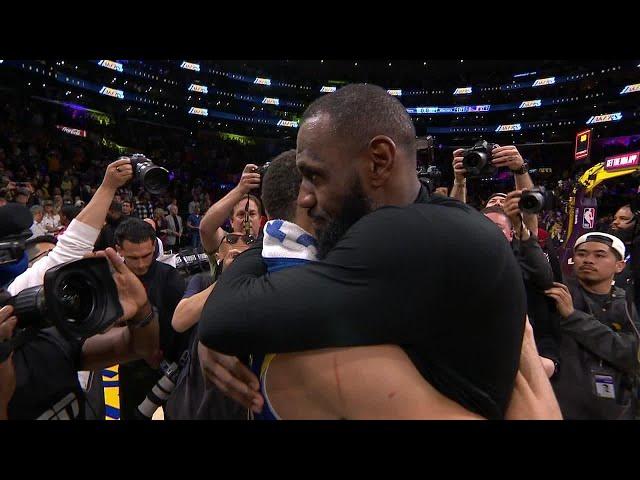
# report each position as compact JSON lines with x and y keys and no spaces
{"x":246,"y":222}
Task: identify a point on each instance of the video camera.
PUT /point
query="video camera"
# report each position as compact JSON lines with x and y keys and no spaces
{"x":477,"y":159}
{"x":79,"y":298}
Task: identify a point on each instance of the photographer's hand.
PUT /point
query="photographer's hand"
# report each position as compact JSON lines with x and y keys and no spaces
{"x":564,"y":302}
{"x":124,"y":344}
{"x":512,"y":209}
{"x":459,"y":171}
{"x":118,"y":173}
{"x":7,"y":371}
{"x":131,"y":292}
{"x":507,"y":156}
{"x":249,"y":180}
{"x":459,"y":190}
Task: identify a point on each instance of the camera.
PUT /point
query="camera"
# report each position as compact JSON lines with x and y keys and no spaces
{"x":534,"y":200}
{"x":79,"y":298}
{"x":477,"y":159}
{"x":262,"y":170}
{"x":154,"y":179}
{"x":163,"y":388}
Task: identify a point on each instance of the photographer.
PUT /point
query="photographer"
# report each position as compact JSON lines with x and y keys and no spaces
{"x":82,"y":232}
{"x":507,"y":156}
{"x":39,"y":379}
{"x":235,"y":205}
{"x":136,"y":243}
{"x":598,"y":377}
{"x":537,"y":275}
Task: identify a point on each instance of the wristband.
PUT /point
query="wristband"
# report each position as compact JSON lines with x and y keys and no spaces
{"x":522,"y":170}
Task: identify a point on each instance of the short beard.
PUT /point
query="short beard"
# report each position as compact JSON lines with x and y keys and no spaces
{"x":355,"y":206}
{"x":625,"y":235}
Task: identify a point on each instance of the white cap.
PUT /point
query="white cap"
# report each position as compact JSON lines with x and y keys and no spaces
{"x":607,"y":239}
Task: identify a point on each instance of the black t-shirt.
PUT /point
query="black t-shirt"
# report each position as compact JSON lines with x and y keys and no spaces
{"x":165,"y":288}
{"x":436,"y":278}
{"x":194,"y":398}
{"x":47,"y":385}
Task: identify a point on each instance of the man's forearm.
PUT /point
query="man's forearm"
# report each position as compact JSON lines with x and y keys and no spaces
{"x":121,"y":344}
{"x":531,"y":222}
{"x":96,"y":210}
{"x":189,"y":310}
{"x":459,"y":191}
{"x":216,"y":216}
{"x":145,"y":341}
{"x":523,"y":182}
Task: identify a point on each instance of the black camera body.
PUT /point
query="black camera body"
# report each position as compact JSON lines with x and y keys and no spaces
{"x":535,"y":200}
{"x":154,"y":179}
{"x":477,"y":160}
{"x":79,"y":298}
{"x":262,"y":170}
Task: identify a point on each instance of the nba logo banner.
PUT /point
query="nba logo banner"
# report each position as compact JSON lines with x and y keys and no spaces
{"x":588,"y":218}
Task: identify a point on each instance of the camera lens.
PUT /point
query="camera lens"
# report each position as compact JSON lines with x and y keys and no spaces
{"x":474,"y":160}
{"x":76,"y":298}
{"x":156,"y":180}
{"x":531,"y":202}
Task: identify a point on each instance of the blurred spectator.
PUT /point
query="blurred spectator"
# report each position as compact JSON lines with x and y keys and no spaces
{"x":127,"y":207}
{"x":160,"y":224}
{"x":193,"y":224}
{"x":22,"y":196}
{"x":37,"y":229}
{"x":144,"y":207}
{"x":193,"y":203}
{"x":107,"y":234}
{"x":174,"y":228}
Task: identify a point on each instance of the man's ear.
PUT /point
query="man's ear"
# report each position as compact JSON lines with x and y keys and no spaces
{"x":382,"y":157}
{"x":620,"y":264}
